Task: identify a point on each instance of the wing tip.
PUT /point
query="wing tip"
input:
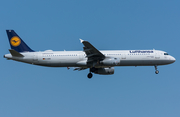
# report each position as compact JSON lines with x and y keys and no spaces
{"x":81,"y":40}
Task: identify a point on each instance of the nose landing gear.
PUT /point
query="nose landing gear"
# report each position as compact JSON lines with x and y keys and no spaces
{"x":156,"y":69}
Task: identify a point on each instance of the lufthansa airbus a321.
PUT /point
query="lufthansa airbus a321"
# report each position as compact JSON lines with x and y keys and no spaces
{"x":98,"y":62}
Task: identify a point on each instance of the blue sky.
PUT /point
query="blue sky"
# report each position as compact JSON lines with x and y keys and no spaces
{"x":27,"y":90}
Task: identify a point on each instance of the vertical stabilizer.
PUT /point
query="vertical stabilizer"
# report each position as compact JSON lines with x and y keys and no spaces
{"x":17,"y":43}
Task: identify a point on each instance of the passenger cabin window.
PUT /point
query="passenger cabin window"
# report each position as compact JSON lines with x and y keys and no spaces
{"x":166,"y":54}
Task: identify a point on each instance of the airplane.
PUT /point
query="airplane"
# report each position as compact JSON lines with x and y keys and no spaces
{"x":98,"y":62}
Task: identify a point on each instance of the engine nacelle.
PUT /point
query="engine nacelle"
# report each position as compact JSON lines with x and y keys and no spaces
{"x":110,"y":61}
{"x":104,"y":71}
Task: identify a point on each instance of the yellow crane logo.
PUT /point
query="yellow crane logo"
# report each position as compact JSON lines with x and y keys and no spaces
{"x":15,"y":41}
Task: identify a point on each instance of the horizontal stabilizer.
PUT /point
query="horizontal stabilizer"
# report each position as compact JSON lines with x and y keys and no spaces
{"x":15,"y":53}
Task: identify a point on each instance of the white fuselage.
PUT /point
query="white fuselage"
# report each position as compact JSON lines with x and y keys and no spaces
{"x":98,"y":62}
{"x":78,"y":58}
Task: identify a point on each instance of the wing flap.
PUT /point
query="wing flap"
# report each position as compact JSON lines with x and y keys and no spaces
{"x":79,"y":68}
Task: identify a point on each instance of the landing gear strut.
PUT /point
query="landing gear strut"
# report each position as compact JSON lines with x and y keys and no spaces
{"x":93,"y":69}
{"x":156,"y":69}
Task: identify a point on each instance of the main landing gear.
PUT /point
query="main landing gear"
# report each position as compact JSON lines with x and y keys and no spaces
{"x":156,"y":69}
{"x":90,"y":75}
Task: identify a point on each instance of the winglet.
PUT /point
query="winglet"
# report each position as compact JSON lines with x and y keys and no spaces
{"x":81,"y":40}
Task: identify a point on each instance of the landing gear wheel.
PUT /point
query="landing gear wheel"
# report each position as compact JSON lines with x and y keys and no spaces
{"x":90,"y":75}
{"x":156,"y":71}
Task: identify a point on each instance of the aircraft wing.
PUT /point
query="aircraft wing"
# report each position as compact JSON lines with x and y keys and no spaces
{"x":91,"y":52}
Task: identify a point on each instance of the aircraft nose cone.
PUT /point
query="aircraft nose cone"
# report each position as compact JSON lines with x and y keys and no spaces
{"x":172,"y":59}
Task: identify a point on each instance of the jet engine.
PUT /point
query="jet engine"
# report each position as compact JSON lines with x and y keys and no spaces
{"x":110,"y":61}
{"x":104,"y":71}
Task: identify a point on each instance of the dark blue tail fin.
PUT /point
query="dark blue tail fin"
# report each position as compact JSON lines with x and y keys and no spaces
{"x":17,"y":43}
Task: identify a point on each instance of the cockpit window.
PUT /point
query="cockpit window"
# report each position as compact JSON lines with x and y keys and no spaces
{"x":166,"y":54}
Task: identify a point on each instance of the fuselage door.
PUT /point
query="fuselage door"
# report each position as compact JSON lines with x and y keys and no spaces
{"x":157,"y":55}
{"x":81,"y":56}
{"x":123,"y":56}
{"x":35,"y":57}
